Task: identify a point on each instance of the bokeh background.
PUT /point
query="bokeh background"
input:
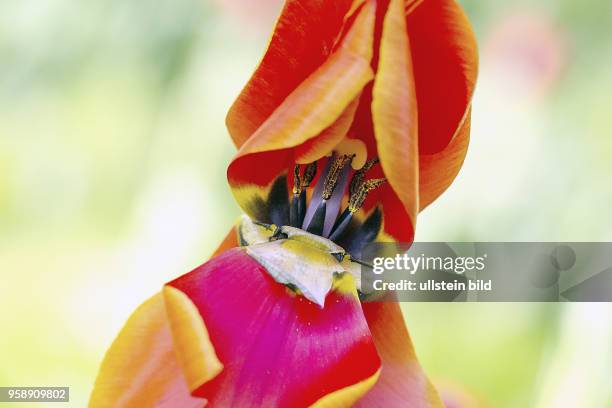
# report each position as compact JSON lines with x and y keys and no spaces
{"x":112,"y":181}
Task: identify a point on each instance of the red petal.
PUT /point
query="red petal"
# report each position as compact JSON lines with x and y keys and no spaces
{"x":445,"y":58}
{"x":278,"y":349}
{"x":438,"y":64}
{"x":402,"y":382}
{"x":303,"y":38}
{"x":437,"y":171}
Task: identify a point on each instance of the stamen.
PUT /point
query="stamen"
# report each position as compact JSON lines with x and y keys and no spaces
{"x":297,"y":183}
{"x":316,"y":195}
{"x":321,"y":213}
{"x":334,"y":173}
{"x":298,"y":201}
{"x":360,"y":174}
{"x":356,"y":200}
{"x":335,"y":202}
{"x":309,"y":174}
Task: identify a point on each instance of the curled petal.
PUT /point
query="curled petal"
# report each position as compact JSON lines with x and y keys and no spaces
{"x":303,"y":38}
{"x":320,"y":103}
{"x":140,"y":368}
{"x":437,"y":171}
{"x":277,"y":348}
{"x":445,"y":57}
{"x":394,"y":115}
{"x":402,"y":382}
{"x":194,"y":350}
{"x":311,"y":150}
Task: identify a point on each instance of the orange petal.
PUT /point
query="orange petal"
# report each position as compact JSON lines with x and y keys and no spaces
{"x":140,"y":368}
{"x":311,"y":150}
{"x":402,"y":382}
{"x":315,"y":105}
{"x":194,"y":350}
{"x":437,"y":171}
{"x":302,"y":40}
{"x":394,"y":114}
{"x":277,"y":348}
{"x":445,"y":58}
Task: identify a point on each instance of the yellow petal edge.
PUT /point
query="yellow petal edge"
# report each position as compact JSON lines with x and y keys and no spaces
{"x":347,"y":396}
{"x":194,"y":350}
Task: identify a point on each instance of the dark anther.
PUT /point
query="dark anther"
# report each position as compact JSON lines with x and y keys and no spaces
{"x":297,"y":182}
{"x":309,"y":174}
{"x":356,"y":200}
{"x":360,"y":174}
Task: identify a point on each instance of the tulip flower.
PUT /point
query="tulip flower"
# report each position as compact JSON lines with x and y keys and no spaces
{"x":356,"y":118}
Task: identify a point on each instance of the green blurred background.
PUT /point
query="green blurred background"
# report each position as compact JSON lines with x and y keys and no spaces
{"x":112,"y":181}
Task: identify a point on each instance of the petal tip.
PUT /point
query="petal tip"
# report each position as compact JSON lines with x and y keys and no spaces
{"x":194,"y":349}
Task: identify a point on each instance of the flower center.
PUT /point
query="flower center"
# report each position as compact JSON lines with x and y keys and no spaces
{"x":328,"y":209}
